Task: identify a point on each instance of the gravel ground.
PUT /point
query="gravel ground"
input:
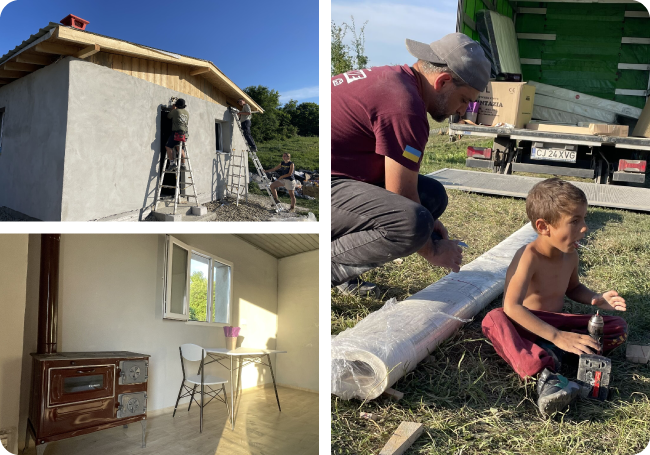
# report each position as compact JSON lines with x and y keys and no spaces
{"x":258,"y":208}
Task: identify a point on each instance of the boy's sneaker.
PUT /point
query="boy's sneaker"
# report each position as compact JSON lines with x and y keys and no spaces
{"x":555,"y":392}
{"x":171,"y":167}
{"x":361,"y":288}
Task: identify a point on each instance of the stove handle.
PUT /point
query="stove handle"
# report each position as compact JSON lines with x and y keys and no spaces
{"x":92,"y":370}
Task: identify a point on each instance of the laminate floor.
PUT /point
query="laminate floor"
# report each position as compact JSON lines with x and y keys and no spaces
{"x":260,"y":429}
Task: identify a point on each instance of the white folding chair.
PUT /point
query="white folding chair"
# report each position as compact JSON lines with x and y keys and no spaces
{"x":194,"y":353}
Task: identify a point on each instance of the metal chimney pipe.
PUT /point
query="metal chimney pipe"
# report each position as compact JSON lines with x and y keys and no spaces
{"x":48,"y":293}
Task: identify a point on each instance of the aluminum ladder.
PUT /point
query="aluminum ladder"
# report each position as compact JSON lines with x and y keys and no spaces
{"x":235,"y":186}
{"x":177,"y":187}
{"x":266,"y":183}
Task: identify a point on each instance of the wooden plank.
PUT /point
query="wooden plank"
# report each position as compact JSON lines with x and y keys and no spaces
{"x":634,"y":66}
{"x":117,"y":63}
{"x":584,"y":99}
{"x":11,"y":74}
{"x":88,"y":51}
{"x":156,"y":73}
{"x":13,"y":66}
{"x":531,"y":10}
{"x":163,"y":75}
{"x":632,"y":40}
{"x":172,"y":77}
{"x":621,"y":91}
{"x":530,"y":61}
{"x":34,"y":59}
{"x":54,"y":48}
{"x":403,"y":438}
{"x":185,"y":84}
{"x":198,"y":71}
{"x":643,"y":14}
{"x":537,"y":36}
{"x":126,"y":64}
{"x":151,"y":70}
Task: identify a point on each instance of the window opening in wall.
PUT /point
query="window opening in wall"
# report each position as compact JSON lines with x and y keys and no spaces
{"x":198,"y":285}
{"x":218,"y":136}
{"x":2,"y":117}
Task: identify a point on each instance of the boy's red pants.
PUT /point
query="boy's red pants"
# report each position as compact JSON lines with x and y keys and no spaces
{"x":518,"y":347}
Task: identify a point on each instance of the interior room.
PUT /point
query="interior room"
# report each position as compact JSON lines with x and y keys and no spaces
{"x":105,"y":336}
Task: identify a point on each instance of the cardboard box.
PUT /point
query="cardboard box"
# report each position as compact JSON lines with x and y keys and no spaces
{"x":506,"y":102}
{"x":591,"y":129}
{"x":642,"y":128}
{"x":310,"y":190}
{"x":606,"y":129}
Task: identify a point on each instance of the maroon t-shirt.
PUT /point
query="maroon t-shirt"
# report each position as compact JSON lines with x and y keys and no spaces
{"x":377,"y":112}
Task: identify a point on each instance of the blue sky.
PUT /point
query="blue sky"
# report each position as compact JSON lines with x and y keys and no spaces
{"x":391,"y":22}
{"x":274,"y":44}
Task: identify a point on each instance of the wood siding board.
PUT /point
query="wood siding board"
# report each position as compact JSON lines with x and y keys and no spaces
{"x":126,"y":65}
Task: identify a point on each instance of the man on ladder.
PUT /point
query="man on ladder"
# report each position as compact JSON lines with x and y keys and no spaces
{"x":180,"y":131}
{"x":245,"y":120}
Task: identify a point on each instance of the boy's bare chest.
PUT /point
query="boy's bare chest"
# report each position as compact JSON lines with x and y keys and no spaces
{"x":551,"y":279}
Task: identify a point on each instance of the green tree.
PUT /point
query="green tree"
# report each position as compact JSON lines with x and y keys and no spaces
{"x":198,"y":296}
{"x":272,"y":124}
{"x":304,"y":117}
{"x":346,"y":57}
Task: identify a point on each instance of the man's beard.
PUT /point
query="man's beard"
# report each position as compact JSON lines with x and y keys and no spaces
{"x":438,"y":112}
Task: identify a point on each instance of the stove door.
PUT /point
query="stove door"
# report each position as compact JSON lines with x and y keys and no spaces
{"x":69,"y":385}
{"x":133,"y":372}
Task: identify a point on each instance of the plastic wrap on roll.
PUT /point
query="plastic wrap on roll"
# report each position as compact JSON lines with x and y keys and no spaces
{"x":370,"y":357}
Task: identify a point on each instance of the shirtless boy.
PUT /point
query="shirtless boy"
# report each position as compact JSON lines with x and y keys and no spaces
{"x":530,"y":333}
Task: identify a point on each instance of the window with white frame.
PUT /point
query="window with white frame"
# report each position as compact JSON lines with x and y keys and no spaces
{"x":218,"y":136}
{"x":198,"y":285}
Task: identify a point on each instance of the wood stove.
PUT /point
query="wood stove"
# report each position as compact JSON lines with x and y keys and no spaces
{"x":75,"y":393}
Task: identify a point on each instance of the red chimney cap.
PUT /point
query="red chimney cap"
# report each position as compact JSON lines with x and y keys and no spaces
{"x":74,"y":21}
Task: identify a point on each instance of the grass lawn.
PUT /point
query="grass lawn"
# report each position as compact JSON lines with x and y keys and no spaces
{"x":470,"y":401}
{"x":304,"y":154}
{"x":303,"y":150}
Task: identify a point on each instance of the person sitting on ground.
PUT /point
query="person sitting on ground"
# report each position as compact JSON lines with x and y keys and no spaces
{"x":245,"y":120}
{"x":180,"y":127}
{"x":286,"y":180}
{"x":530,"y":333}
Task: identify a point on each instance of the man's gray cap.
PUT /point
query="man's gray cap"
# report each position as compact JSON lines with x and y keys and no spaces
{"x":460,"y":53}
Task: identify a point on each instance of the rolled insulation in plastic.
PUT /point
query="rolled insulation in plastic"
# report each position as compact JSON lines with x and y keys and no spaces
{"x":370,"y":357}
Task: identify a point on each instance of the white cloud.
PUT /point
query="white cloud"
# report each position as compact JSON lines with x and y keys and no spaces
{"x":389,"y":24}
{"x":299,"y":94}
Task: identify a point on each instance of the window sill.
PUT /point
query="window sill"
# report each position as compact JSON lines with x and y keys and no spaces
{"x":206,"y":324}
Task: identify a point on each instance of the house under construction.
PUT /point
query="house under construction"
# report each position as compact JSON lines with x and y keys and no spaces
{"x":83,"y":125}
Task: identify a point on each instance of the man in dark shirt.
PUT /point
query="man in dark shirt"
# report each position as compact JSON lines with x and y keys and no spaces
{"x":245,"y":120}
{"x":382,"y":209}
{"x":180,"y":127}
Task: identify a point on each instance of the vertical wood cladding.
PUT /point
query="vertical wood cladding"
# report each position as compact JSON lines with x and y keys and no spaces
{"x":174,"y":77}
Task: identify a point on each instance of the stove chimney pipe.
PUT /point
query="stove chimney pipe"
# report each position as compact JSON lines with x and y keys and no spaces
{"x":48,"y":293}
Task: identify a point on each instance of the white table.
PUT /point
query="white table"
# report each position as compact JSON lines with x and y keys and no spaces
{"x":248,"y":355}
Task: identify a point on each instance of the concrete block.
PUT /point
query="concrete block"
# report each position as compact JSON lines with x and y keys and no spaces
{"x":638,"y":354}
{"x":199,"y":211}
{"x":161,"y":216}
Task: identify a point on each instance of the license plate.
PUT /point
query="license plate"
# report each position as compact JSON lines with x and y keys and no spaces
{"x":567,"y":156}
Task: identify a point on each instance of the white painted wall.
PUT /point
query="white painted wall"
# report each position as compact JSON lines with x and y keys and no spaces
{"x":13,"y":282}
{"x":298,"y":321}
{"x":110,"y":298}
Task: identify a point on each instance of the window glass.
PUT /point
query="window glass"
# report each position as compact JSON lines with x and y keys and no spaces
{"x":199,"y":276}
{"x":178,"y":280}
{"x":220,"y":292}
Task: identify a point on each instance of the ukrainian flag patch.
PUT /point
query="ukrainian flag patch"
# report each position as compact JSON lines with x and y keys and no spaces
{"x":412,"y":154}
